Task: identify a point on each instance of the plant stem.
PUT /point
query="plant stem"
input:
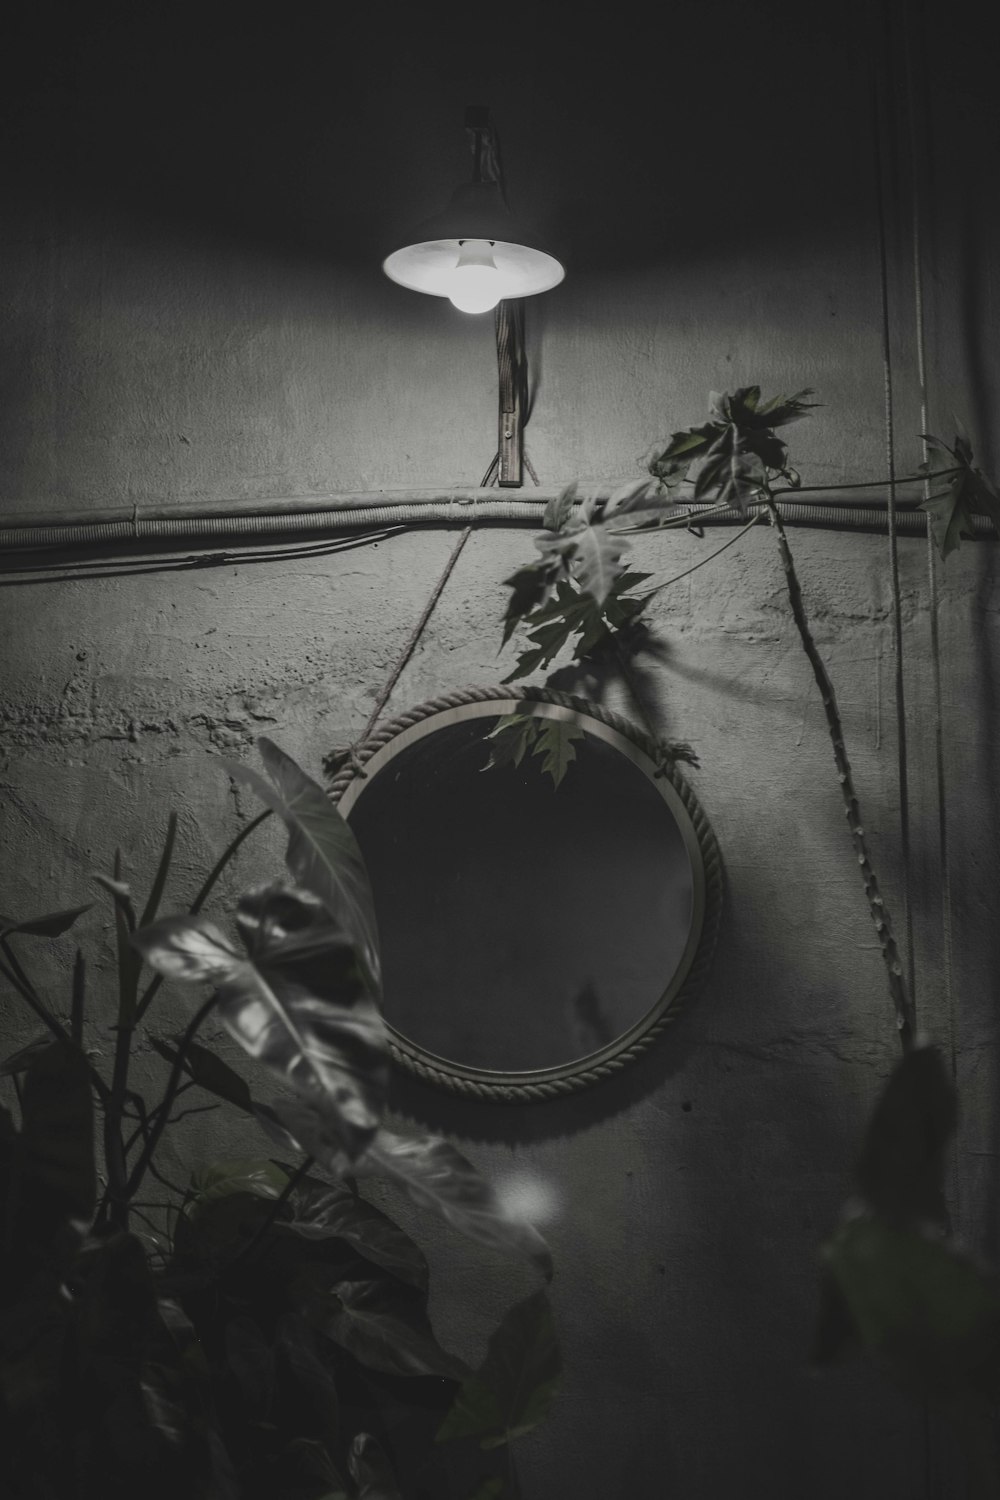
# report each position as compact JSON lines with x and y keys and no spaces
{"x":302,"y":1170}
{"x":77,"y":1002}
{"x":202,"y":896}
{"x":114,"y":1143}
{"x":905,"y":1020}
{"x":162,"y":1113}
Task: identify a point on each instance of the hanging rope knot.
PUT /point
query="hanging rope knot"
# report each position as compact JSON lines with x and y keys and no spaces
{"x":669,"y":752}
{"x":344,"y":756}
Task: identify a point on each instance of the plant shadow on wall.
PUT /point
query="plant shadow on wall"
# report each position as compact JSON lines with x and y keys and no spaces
{"x":894,"y":1281}
{"x":262,"y":1330}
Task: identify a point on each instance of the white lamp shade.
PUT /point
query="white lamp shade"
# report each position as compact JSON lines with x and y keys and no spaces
{"x":476,"y":213}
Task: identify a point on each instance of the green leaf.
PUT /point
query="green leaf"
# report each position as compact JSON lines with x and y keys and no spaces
{"x":382,"y":1323}
{"x":371,"y":1471}
{"x":532,"y":587}
{"x":48,"y":926}
{"x":162,"y":871}
{"x":901,"y":1171}
{"x":513,"y":1389}
{"x":208,"y":1071}
{"x":322,"y":854}
{"x":589,"y":554}
{"x":729,"y":475}
{"x":928,"y":1311}
{"x":438,"y":1177}
{"x":250,"y":1360}
{"x":300,"y":1004}
{"x":555,"y":745}
{"x":221,"y":1179}
{"x":331,"y":1211}
{"x":559,"y":510}
{"x":969,"y":492}
{"x":511,"y":737}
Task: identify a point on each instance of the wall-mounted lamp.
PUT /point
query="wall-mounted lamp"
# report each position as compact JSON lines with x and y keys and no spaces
{"x":480,"y":257}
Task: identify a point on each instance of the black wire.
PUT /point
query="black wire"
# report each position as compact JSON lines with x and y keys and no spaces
{"x":99,"y":568}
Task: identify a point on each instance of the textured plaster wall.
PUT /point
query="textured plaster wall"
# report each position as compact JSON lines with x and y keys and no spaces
{"x":192,"y":308}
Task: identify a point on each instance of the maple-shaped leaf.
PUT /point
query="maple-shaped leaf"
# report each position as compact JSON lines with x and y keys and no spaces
{"x":729,"y":474}
{"x":969,"y":492}
{"x":748,"y":413}
{"x":554,"y":743}
{"x":670,"y":463}
{"x":571,"y":612}
{"x":532,"y":586}
{"x":588,"y":552}
{"x":734,"y":452}
{"x":559,"y":510}
{"x":511,"y":736}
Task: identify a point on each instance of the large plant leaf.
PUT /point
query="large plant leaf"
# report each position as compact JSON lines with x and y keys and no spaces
{"x":371,"y":1471}
{"x":901,"y":1170}
{"x":925,"y":1309}
{"x":590,"y":553}
{"x":323,"y":1210}
{"x":438,"y":1177}
{"x":513,"y":1389}
{"x":313,"y":1379}
{"x":250,"y":1360}
{"x":531,"y":587}
{"x":205,"y":1068}
{"x":51,"y":925}
{"x":555,"y":745}
{"x":322,"y":854}
{"x":571,"y":612}
{"x":382,"y":1323}
{"x":299,"y":1004}
{"x":221,"y":1179}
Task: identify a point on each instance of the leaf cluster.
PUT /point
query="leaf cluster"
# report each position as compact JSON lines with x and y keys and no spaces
{"x":552,"y":740}
{"x":571,"y":616}
{"x":734,"y":454}
{"x":268,"y":1332}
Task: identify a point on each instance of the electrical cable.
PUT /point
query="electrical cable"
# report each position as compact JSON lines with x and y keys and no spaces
{"x":902,"y":759}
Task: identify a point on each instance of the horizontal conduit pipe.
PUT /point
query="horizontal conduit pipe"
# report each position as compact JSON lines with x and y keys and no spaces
{"x":346,"y":513}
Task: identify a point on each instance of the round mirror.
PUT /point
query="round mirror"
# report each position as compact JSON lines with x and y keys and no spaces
{"x":547,"y":891}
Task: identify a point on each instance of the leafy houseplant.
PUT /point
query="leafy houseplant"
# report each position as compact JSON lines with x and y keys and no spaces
{"x":268,"y":1335}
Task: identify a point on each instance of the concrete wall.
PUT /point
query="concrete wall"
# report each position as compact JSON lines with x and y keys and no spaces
{"x":192,"y":308}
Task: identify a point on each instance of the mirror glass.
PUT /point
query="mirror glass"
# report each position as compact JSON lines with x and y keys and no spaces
{"x":524,"y":925}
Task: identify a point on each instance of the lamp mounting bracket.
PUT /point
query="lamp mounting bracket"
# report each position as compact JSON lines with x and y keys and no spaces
{"x":512,"y":371}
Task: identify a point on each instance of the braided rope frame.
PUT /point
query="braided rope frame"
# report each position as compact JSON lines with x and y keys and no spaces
{"x":551,"y":1083}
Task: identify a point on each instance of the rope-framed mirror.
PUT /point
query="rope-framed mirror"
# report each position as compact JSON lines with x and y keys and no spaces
{"x":547,"y":889}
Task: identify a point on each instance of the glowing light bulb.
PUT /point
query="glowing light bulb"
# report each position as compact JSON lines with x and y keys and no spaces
{"x":475,"y":285}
